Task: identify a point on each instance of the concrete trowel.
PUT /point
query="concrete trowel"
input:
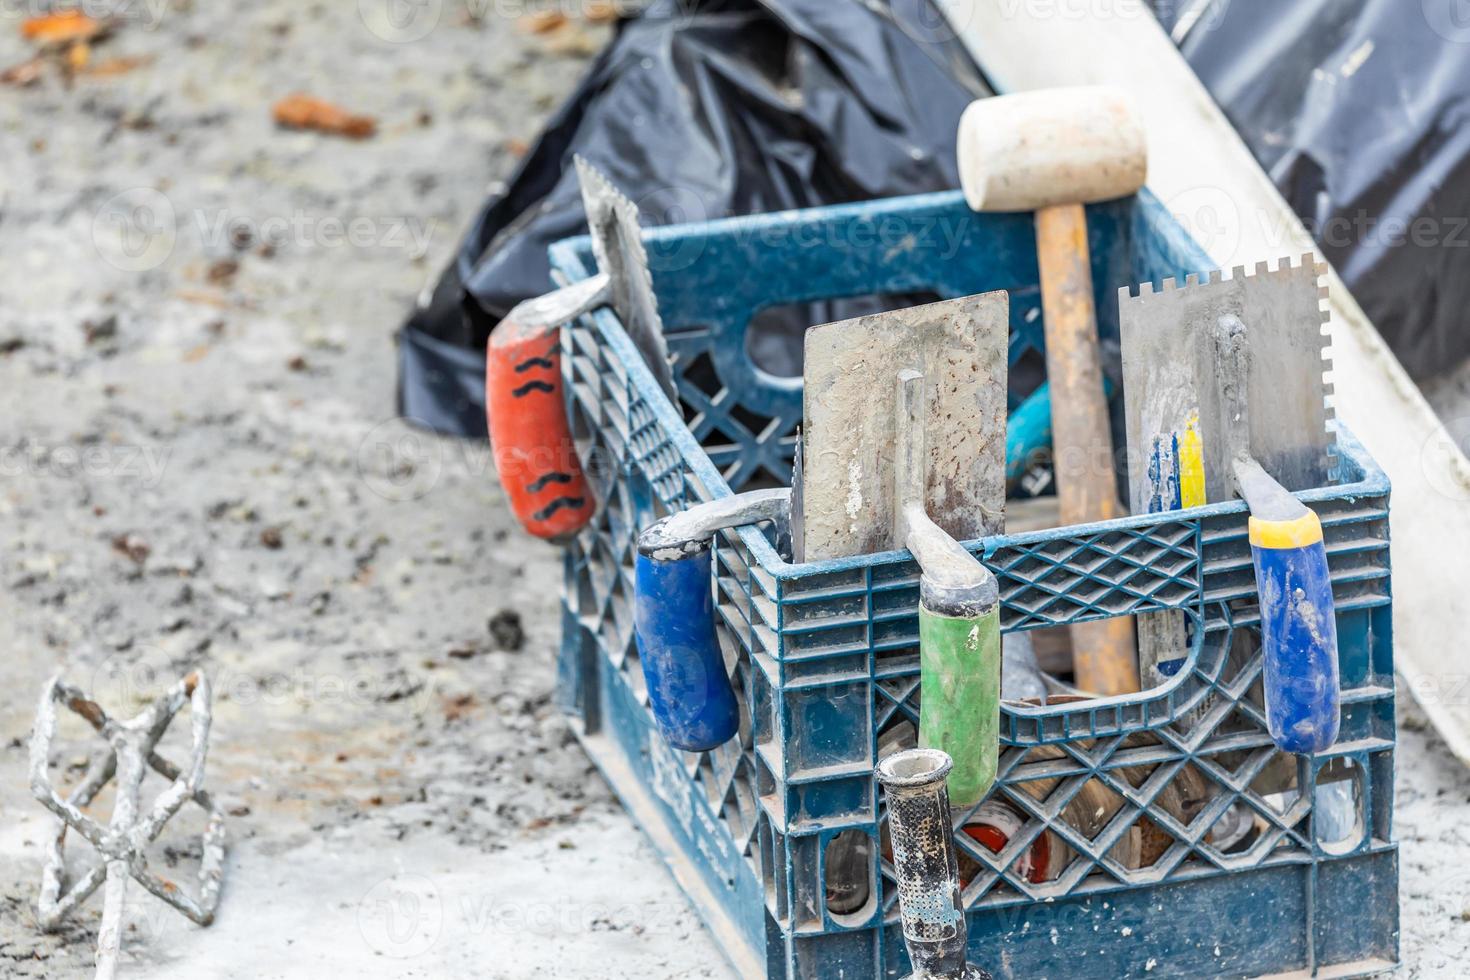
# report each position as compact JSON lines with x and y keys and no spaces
{"x":1194,"y":357}
{"x":904,"y":447}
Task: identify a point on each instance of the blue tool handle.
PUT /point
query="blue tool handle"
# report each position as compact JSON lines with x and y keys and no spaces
{"x":1028,"y":430}
{"x":1298,"y":633}
{"x":689,"y":691}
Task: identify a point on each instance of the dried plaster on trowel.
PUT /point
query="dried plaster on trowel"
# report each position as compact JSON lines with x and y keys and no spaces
{"x":850,"y":433}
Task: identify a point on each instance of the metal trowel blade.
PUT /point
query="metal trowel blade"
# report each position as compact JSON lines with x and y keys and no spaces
{"x":617,"y":244}
{"x":849,"y":435}
{"x":1171,"y":397}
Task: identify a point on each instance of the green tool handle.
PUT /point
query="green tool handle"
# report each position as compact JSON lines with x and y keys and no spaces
{"x":959,"y":664}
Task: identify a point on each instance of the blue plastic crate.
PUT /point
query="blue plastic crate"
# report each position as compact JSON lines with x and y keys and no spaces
{"x":824,"y":654}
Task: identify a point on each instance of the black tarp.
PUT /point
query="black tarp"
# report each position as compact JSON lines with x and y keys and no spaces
{"x":702,"y":110}
{"x":1358,"y":109}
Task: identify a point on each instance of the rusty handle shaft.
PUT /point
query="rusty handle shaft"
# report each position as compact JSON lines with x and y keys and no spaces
{"x":1105,"y":659}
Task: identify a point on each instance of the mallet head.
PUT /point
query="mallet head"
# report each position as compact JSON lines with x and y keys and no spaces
{"x":1032,"y":150}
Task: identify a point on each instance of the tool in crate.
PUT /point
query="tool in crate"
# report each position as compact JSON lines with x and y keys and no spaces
{"x":931,"y":910}
{"x":1051,"y":152}
{"x":535,"y":453}
{"x":921,"y":471}
{"x":872,"y":471}
{"x":1224,"y":396}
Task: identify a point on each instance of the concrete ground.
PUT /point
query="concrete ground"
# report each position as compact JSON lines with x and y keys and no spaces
{"x":199,"y":467}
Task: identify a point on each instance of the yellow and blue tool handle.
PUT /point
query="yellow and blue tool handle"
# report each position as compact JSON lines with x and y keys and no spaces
{"x":1298,"y":618}
{"x":1293,"y":583}
{"x":689,"y":690}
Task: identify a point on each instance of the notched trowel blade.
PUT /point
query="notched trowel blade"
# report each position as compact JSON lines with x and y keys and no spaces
{"x":617,"y":244}
{"x":1169,"y":374}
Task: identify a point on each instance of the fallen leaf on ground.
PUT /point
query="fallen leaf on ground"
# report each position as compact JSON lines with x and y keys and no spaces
{"x":222,"y":271}
{"x":601,"y":13}
{"x":78,"y":55}
{"x":574,"y":41}
{"x":23,"y":74}
{"x":544,"y":22}
{"x":134,"y":548}
{"x":116,"y":66}
{"x":458,"y":707}
{"x":301,"y":111}
{"x":62,"y":27}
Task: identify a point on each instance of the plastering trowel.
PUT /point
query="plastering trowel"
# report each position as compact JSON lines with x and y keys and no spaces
{"x":904,"y":447}
{"x":1225,"y":395}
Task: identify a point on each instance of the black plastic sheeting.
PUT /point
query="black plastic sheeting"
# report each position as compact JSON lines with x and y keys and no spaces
{"x":701,"y":110}
{"x":1360,"y":112}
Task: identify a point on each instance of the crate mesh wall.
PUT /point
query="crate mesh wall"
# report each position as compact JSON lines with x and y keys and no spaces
{"x":812,"y":652}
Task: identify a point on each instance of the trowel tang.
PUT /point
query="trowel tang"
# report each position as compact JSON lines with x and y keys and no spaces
{"x":1298,"y":617}
{"x":689,"y":690}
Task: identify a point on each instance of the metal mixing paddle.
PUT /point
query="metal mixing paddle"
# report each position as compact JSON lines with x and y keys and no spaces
{"x":124,"y":841}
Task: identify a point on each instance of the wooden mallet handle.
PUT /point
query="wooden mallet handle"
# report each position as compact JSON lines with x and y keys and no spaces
{"x":1051,"y":152}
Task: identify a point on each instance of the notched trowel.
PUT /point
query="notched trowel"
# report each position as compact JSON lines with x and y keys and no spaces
{"x":534,"y":450}
{"x":904,"y":447}
{"x":1225,"y":396}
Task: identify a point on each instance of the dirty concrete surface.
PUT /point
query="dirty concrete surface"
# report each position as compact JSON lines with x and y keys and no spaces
{"x":201,"y":469}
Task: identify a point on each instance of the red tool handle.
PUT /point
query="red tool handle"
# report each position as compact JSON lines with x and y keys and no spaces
{"x":529,"y":432}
